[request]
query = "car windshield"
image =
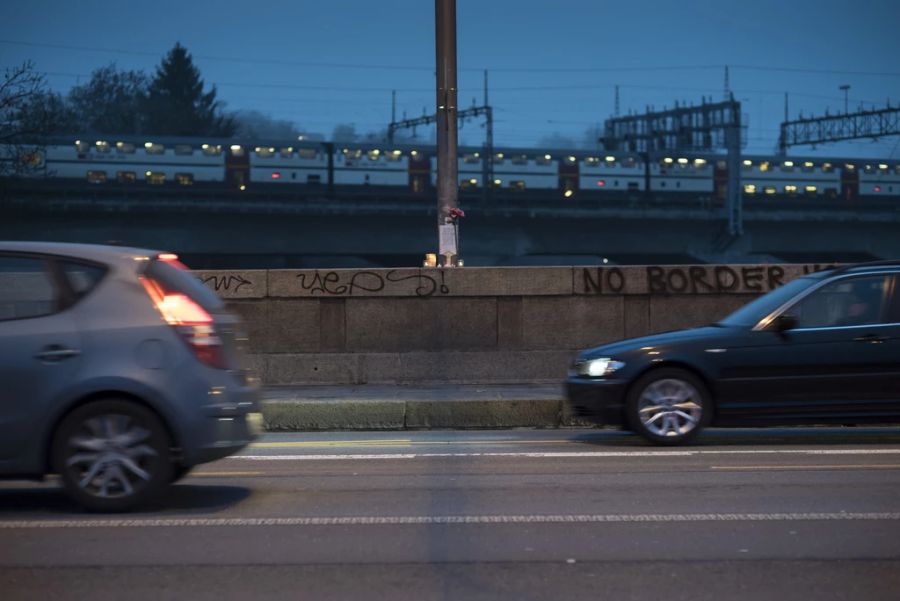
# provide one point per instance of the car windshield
(751, 313)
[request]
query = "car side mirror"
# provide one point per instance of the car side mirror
(785, 322)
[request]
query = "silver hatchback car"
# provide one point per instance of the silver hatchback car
(119, 371)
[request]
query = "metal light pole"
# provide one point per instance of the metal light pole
(846, 89)
(447, 205)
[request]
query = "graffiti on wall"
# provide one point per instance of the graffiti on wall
(335, 283)
(695, 279)
(226, 283)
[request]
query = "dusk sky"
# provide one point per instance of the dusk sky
(553, 65)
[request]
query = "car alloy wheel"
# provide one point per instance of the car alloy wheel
(668, 406)
(112, 455)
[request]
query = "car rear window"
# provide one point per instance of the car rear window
(178, 280)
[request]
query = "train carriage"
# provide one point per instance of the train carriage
(375, 168)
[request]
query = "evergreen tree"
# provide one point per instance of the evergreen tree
(177, 105)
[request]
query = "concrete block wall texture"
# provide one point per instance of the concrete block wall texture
(469, 325)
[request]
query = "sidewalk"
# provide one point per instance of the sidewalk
(378, 407)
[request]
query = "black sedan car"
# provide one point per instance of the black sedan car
(822, 349)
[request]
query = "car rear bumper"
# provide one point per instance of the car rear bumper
(230, 422)
(599, 400)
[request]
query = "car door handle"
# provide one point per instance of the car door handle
(56, 352)
(871, 339)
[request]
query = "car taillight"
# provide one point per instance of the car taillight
(172, 259)
(192, 322)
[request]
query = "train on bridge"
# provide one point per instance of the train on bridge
(327, 168)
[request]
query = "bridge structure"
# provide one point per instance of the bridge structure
(257, 230)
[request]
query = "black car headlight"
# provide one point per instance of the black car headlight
(597, 368)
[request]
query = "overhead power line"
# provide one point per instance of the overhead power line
(430, 69)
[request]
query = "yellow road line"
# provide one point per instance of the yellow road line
(745, 468)
(329, 443)
(397, 443)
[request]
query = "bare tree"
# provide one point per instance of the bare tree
(28, 112)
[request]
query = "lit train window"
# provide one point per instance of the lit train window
(849, 166)
(468, 183)
(498, 158)
(124, 148)
(809, 166)
(749, 189)
(96, 177)
(543, 159)
(591, 161)
(870, 169)
(764, 166)
(724, 165)
(102, 146)
(700, 164)
(520, 159)
(374, 155)
(517, 184)
(236, 150)
(211, 149)
(883, 167)
(155, 177)
(264, 153)
(747, 165)
(770, 190)
(352, 154)
(184, 179)
(184, 149)
(497, 183)
(610, 161)
(811, 190)
(787, 166)
(307, 153)
(827, 167)
(152, 148)
(81, 147)
(286, 152)
(790, 189)
(472, 158)
(394, 155)
(126, 177)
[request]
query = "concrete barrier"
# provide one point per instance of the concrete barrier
(496, 325)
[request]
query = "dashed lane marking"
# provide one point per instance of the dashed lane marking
(224, 474)
(859, 466)
(445, 520)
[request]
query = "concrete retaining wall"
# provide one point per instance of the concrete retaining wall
(514, 324)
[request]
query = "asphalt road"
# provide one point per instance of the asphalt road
(571, 514)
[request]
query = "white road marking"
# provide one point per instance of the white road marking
(573, 454)
(447, 520)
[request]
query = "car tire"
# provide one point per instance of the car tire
(180, 471)
(668, 406)
(112, 455)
